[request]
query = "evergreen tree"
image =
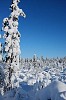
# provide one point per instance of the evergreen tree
(34, 60)
(12, 38)
(0, 51)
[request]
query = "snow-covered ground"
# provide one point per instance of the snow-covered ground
(38, 80)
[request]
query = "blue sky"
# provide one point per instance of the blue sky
(43, 31)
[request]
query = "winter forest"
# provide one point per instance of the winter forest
(27, 78)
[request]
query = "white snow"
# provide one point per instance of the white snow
(54, 91)
(37, 83)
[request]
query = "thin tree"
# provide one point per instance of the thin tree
(12, 38)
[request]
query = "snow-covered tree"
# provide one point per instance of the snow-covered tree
(0, 51)
(34, 60)
(12, 38)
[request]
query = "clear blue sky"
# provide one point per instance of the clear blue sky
(44, 29)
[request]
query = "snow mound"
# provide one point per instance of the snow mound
(15, 94)
(54, 91)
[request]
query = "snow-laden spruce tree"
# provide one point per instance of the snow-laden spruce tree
(12, 38)
(0, 51)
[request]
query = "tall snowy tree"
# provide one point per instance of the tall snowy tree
(0, 51)
(34, 60)
(12, 38)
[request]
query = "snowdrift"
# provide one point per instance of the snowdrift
(54, 91)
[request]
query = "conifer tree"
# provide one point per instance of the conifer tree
(12, 38)
(0, 51)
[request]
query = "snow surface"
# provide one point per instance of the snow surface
(40, 82)
(54, 91)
